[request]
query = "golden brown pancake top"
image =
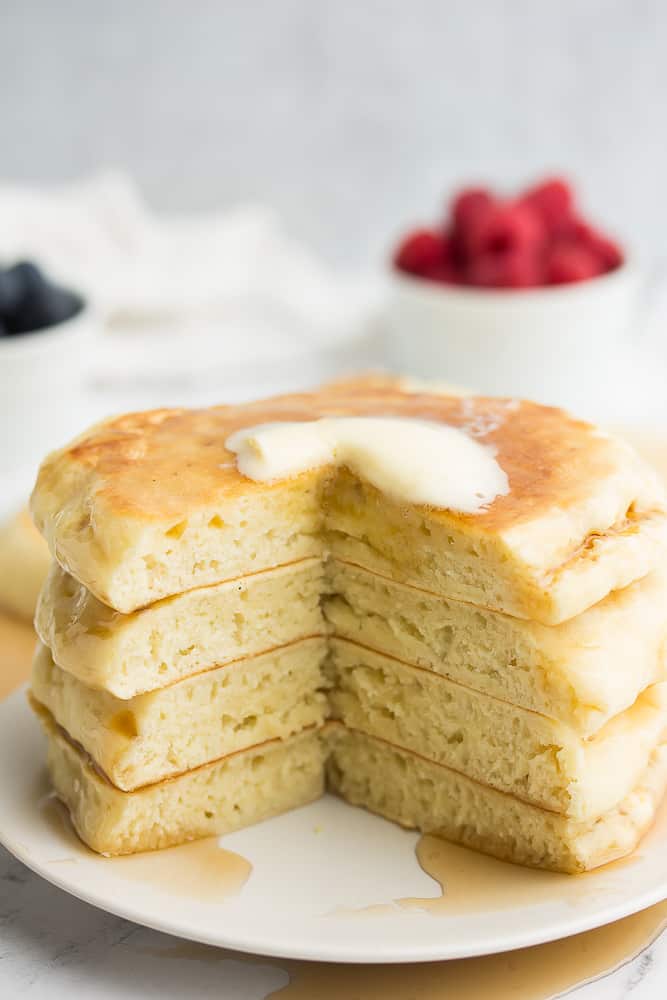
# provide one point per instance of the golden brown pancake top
(163, 463)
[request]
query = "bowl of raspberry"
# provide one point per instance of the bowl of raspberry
(516, 296)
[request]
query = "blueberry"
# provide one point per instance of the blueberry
(46, 306)
(15, 283)
(38, 304)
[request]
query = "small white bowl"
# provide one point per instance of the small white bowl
(553, 344)
(42, 398)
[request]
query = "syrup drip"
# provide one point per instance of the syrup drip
(538, 973)
(200, 870)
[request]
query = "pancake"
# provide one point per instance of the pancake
(223, 796)
(528, 755)
(179, 636)
(417, 793)
(148, 505)
(191, 722)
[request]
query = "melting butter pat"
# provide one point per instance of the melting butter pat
(411, 460)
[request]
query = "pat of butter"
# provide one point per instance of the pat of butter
(411, 460)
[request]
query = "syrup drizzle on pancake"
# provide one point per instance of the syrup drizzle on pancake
(201, 870)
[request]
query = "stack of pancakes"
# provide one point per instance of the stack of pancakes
(212, 646)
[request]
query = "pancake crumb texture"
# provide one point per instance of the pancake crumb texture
(220, 797)
(531, 756)
(582, 672)
(418, 794)
(153, 736)
(179, 636)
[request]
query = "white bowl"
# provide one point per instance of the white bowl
(556, 344)
(42, 395)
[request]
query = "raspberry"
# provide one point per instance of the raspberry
(608, 252)
(446, 270)
(605, 250)
(579, 231)
(552, 200)
(510, 269)
(505, 228)
(568, 262)
(421, 250)
(469, 205)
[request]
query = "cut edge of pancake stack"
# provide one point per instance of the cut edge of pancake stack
(212, 646)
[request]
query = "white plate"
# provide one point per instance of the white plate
(311, 863)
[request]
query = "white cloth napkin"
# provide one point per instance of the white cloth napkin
(183, 296)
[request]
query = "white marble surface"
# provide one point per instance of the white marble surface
(52, 945)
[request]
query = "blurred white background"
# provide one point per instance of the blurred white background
(349, 119)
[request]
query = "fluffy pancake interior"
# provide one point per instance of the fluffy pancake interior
(576, 672)
(210, 714)
(264, 780)
(526, 754)
(457, 558)
(178, 636)
(439, 678)
(220, 797)
(202, 718)
(418, 793)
